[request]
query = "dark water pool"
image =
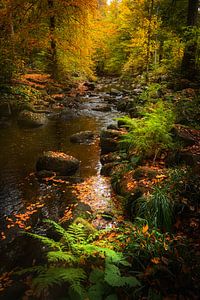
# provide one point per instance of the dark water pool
(19, 150)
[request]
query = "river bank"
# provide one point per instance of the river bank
(32, 196)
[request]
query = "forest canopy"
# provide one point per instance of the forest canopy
(85, 38)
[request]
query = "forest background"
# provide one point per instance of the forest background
(81, 39)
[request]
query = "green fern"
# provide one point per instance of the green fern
(60, 256)
(151, 133)
(68, 238)
(56, 276)
(98, 290)
(46, 241)
(34, 270)
(68, 259)
(77, 233)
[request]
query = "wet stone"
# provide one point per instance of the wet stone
(30, 119)
(59, 162)
(83, 137)
(107, 168)
(103, 108)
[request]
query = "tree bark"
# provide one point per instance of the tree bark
(189, 67)
(53, 47)
(148, 55)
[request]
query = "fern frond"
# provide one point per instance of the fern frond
(96, 291)
(56, 256)
(78, 288)
(45, 240)
(53, 276)
(35, 269)
(115, 257)
(77, 233)
(64, 234)
(96, 275)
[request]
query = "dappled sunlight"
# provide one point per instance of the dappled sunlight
(95, 191)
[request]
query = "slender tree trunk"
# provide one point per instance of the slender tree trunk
(10, 20)
(189, 67)
(53, 47)
(161, 51)
(148, 54)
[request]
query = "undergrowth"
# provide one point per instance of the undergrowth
(150, 134)
(89, 269)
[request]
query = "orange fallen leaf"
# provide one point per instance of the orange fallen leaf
(155, 260)
(145, 228)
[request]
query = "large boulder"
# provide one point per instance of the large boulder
(83, 137)
(30, 119)
(58, 162)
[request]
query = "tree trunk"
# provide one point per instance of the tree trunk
(148, 55)
(53, 47)
(10, 20)
(189, 67)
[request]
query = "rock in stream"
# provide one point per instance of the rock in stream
(59, 162)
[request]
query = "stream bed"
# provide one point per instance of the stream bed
(25, 200)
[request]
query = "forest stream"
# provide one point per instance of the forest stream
(26, 200)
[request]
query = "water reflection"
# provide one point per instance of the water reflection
(20, 148)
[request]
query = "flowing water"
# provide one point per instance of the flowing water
(25, 200)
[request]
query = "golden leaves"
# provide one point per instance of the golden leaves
(68, 213)
(94, 191)
(19, 220)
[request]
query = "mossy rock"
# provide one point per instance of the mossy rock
(145, 172)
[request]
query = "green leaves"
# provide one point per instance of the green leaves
(104, 282)
(114, 278)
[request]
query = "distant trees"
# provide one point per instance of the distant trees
(51, 35)
(151, 35)
(70, 37)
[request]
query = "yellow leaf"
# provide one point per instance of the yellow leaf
(161, 176)
(145, 228)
